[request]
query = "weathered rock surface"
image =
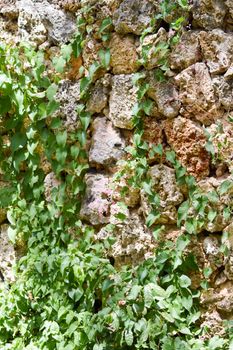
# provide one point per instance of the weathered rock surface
(217, 203)
(7, 255)
(50, 182)
(68, 95)
(154, 48)
(197, 94)
(124, 57)
(122, 99)
(99, 94)
(165, 95)
(134, 241)
(188, 140)
(170, 196)
(38, 18)
(133, 16)
(107, 145)
(208, 14)
(217, 50)
(97, 200)
(222, 140)
(186, 52)
(223, 87)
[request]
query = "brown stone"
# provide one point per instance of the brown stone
(217, 50)
(197, 95)
(208, 14)
(186, 52)
(124, 57)
(165, 96)
(188, 140)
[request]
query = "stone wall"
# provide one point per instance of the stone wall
(191, 107)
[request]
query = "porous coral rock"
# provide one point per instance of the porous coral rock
(38, 18)
(217, 50)
(68, 96)
(124, 57)
(107, 145)
(50, 182)
(217, 203)
(170, 196)
(197, 95)
(221, 136)
(99, 94)
(134, 242)
(188, 140)
(223, 87)
(154, 48)
(165, 95)
(133, 16)
(7, 255)
(186, 52)
(122, 100)
(97, 200)
(208, 14)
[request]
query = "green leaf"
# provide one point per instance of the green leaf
(105, 57)
(133, 294)
(5, 104)
(59, 64)
(129, 337)
(171, 157)
(151, 218)
(12, 234)
(51, 91)
(225, 186)
(61, 138)
(207, 271)
(216, 343)
(184, 281)
(105, 25)
(182, 212)
(18, 141)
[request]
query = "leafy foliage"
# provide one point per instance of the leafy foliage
(67, 294)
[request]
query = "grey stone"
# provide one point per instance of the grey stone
(186, 52)
(99, 95)
(170, 196)
(36, 18)
(68, 96)
(166, 97)
(133, 16)
(97, 200)
(208, 14)
(107, 145)
(122, 100)
(134, 242)
(7, 255)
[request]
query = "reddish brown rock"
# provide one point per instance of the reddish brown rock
(197, 95)
(188, 140)
(124, 57)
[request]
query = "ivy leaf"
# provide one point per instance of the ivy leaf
(225, 186)
(184, 281)
(18, 141)
(12, 234)
(216, 343)
(105, 57)
(51, 91)
(182, 212)
(5, 104)
(61, 138)
(129, 337)
(151, 218)
(59, 64)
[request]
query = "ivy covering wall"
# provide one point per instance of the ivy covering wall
(116, 187)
